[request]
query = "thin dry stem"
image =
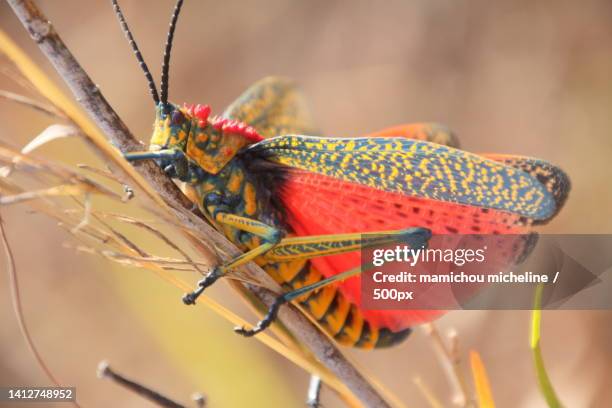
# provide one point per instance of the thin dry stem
(158, 234)
(450, 361)
(31, 103)
(17, 78)
(431, 398)
(105, 371)
(86, 214)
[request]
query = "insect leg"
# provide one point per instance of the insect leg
(270, 234)
(219, 271)
(316, 246)
(270, 316)
(307, 247)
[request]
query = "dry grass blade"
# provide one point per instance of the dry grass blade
(51, 133)
(141, 261)
(31, 103)
(43, 170)
(481, 381)
(159, 235)
(128, 192)
(450, 360)
(63, 190)
(99, 172)
(431, 398)
(17, 78)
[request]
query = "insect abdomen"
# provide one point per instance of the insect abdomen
(339, 317)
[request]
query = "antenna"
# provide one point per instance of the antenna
(166, 65)
(143, 64)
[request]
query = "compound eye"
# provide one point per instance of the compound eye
(177, 118)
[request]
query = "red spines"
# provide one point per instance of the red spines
(234, 126)
(189, 108)
(202, 113)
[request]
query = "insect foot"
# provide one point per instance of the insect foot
(266, 321)
(190, 298)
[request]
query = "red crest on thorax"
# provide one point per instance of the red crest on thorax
(226, 125)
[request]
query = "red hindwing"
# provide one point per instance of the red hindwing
(320, 205)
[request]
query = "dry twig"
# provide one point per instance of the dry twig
(105, 371)
(450, 361)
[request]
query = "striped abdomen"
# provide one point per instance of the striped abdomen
(339, 317)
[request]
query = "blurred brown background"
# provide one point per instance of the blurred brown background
(522, 77)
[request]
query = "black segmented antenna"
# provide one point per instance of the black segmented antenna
(143, 64)
(166, 65)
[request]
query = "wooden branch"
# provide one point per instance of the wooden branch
(91, 99)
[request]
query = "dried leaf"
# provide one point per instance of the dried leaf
(51, 133)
